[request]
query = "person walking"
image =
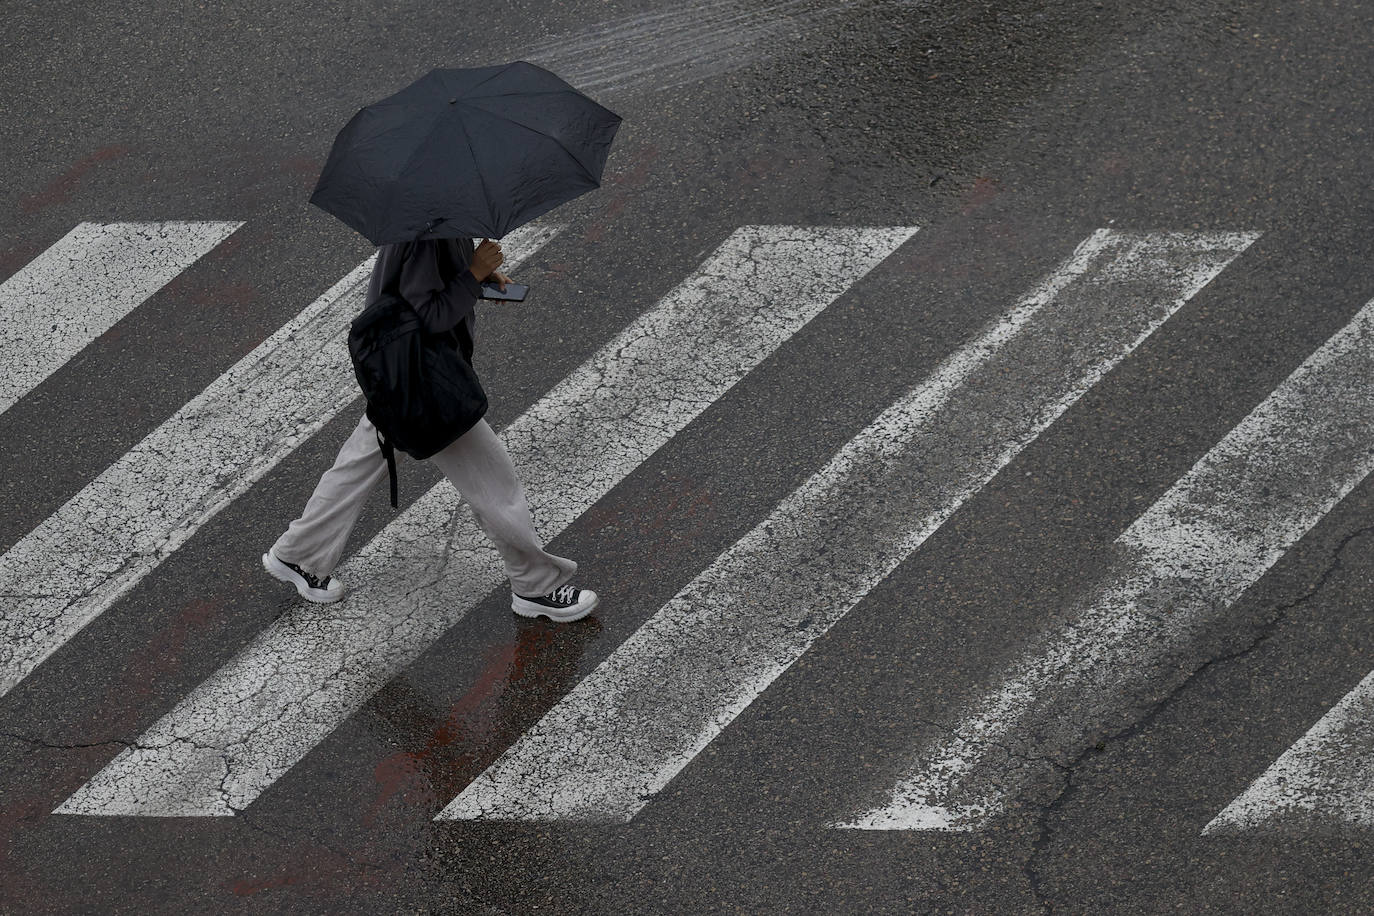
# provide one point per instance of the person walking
(458, 154)
(440, 279)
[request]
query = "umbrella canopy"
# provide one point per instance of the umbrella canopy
(465, 153)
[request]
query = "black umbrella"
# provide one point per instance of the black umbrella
(465, 153)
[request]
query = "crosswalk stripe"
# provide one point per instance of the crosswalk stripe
(1180, 566)
(1325, 778)
(625, 731)
(82, 286)
(257, 716)
(121, 526)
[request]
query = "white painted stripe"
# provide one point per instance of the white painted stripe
(82, 286)
(1325, 779)
(1181, 565)
(263, 711)
(102, 542)
(618, 738)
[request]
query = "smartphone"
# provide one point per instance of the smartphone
(515, 292)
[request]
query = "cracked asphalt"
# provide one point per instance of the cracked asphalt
(1008, 131)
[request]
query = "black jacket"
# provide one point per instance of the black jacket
(432, 275)
(412, 348)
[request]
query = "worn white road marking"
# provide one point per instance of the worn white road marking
(102, 542)
(618, 738)
(263, 711)
(684, 43)
(1325, 779)
(1181, 565)
(82, 286)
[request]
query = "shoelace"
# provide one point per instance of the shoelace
(564, 594)
(313, 582)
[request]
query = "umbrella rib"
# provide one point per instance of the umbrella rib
(590, 177)
(485, 81)
(486, 193)
(530, 94)
(396, 183)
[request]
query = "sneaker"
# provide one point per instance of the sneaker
(563, 605)
(321, 591)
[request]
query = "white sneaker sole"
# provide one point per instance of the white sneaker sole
(586, 602)
(279, 570)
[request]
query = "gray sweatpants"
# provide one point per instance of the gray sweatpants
(476, 463)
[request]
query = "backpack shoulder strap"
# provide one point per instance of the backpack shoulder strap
(390, 454)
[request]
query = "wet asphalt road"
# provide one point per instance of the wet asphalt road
(1008, 132)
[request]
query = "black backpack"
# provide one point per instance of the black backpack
(421, 393)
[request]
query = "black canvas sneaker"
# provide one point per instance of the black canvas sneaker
(321, 591)
(563, 605)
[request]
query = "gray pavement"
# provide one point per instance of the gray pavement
(1009, 133)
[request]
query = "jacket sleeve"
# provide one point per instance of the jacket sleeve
(441, 306)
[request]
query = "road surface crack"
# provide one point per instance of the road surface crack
(58, 746)
(1262, 632)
